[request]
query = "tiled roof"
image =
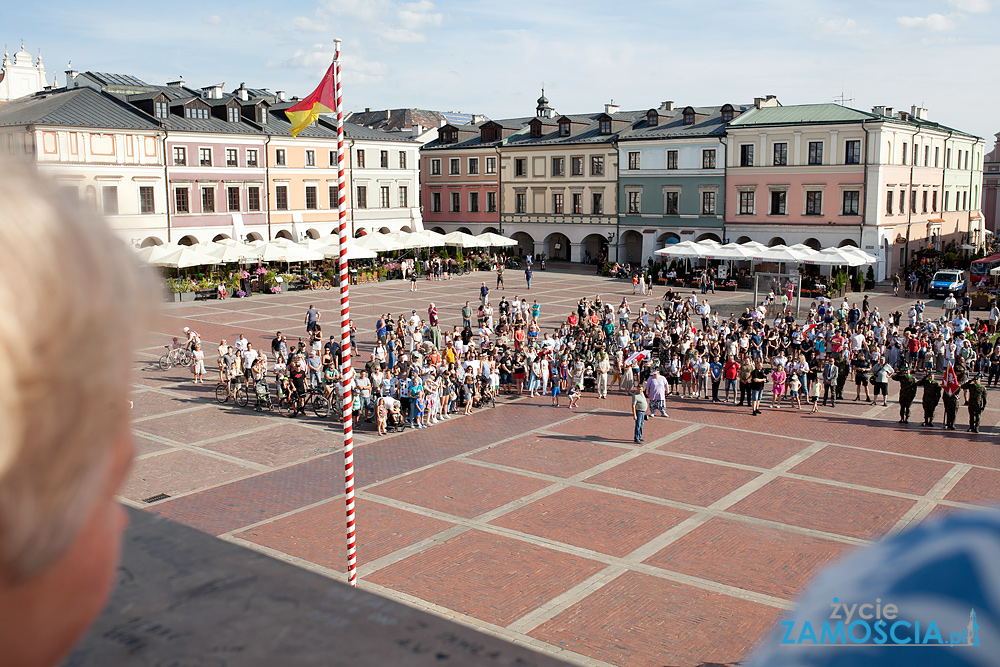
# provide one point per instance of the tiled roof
(588, 135)
(802, 114)
(473, 140)
(77, 107)
(670, 124)
(403, 119)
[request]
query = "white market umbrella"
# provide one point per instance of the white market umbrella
(684, 250)
(353, 252)
(184, 257)
(283, 250)
(492, 240)
(227, 252)
(376, 243)
(780, 253)
(835, 257)
(463, 240)
(731, 251)
(868, 258)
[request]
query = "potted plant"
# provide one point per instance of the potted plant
(870, 278)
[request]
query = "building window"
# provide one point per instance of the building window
(652, 118)
(913, 201)
(904, 152)
(520, 203)
(435, 167)
(597, 203)
(934, 201)
(205, 157)
(689, 118)
(233, 198)
(456, 202)
(564, 129)
(251, 158)
(161, 109)
(454, 166)
(779, 199)
(208, 200)
(558, 166)
(780, 154)
(109, 197)
(852, 154)
(927, 156)
(634, 202)
(234, 114)
(383, 196)
(520, 166)
(727, 115)
(577, 166)
(181, 203)
(633, 159)
(888, 202)
(402, 159)
(310, 158)
(746, 202)
(814, 203)
(708, 203)
(180, 156)
(404, 197)
(361, 160)
(708, 158)
(146, 201)
(253, 199)
(597, 165)
(852, 202)
(924, 202)
(491, 165)
(947, 158)
(281, 197)
(361, 200)
(746, 155)
(577, 203)
(915, 154)
(231, 158)
(605, 126)
(311, 202)
(557, 203)
(671, 201)
(902, 202)
(384, 159)
(671, 159)
(937, 156)
(435, 202)
(815, 152)
(193, 112)
(473, 202)
(279, 157)
(491, 202)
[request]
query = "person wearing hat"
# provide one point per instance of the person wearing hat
(907, 392)
(950, 407)
(931, 397)
(977, 402)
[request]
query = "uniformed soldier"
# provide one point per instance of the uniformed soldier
(907, 392)
(977, 402)
(950, 408)
(931, 398)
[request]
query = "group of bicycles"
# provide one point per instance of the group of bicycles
(284, 399)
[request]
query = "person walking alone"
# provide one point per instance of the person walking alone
(639, 408)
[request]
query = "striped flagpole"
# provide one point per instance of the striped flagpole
(347, 373)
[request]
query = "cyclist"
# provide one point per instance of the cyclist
(297, 372)
(331, 376)
(258, 373)
(236, 371)
(193, 338)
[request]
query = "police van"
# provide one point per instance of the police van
(948, 281)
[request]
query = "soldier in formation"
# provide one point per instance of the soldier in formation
(907, 392)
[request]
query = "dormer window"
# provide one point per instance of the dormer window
(605, 126)
(564, 129)
(161, 109)
(727, 113)
(688, 117)
(262, 115)
(449, 137)
(652, 118)
(196, 112)
(536, 130)
(233, 113)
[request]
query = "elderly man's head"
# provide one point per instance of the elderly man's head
(64, 271)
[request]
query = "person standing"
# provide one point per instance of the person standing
(466, 315)
(484, 295)
(312, 317)
(500, 268)
(603, 367)
(831, 376)
(639, 408)
(977, 402)
(657, 388)
(757, 380)
(731, 371)
(930, 399)
(198, 366)
(413, 277)
(527, 276)
(907, 392)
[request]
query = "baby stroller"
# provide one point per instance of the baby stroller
(589, 377)
(394, 422)
(263, 396)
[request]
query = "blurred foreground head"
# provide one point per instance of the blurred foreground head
(73, 304)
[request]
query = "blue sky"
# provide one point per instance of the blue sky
(492, 57)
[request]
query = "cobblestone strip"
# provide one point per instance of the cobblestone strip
(229, 458)
(556, 605)
(933, 497)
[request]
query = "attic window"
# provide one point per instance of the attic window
(564, 129)
(449, 137)
(160, 109)
(262, 115)
(689, 117)
(536, 130)
(194, 112)
(727, 113)
(605, 126)
(652, 119)
(234, 114)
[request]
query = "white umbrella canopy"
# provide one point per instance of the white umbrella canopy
(376, 243)
(227, 252)
(492, 240)
(732, 251)
(835, 257)
(858, 252)
(685, 249)
(463, 240)
(780, 253)
(283, 250)
(184, 257)
(353, 252)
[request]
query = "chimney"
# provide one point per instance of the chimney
(757, 101)
(612, 108)
(368, 109)
(70, 76)
(919, 113)
(666, 106)
(416, 130)
(388, 115)
(904, 116)
(242, 92)
(179, 83)
(281, 95)
(442, 122)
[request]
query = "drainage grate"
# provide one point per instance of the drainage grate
(156, 498)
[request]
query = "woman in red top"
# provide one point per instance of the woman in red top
(519, 337)
(572, 319)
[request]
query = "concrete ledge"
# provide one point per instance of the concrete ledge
(188, 599)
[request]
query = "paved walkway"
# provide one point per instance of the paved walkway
(548, 526)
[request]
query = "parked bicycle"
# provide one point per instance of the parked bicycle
(295, 403)
(224, 391)
(180, 356)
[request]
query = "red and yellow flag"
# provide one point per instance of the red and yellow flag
(321, 100)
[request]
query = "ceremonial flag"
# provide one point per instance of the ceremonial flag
(809, 328)
(321, 100)
(637, 357)
(951, 385)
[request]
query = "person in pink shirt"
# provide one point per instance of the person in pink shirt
(778, 378)
(656, 390)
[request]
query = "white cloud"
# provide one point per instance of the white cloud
(214, 19)
(931, 22)
(841, 26)
(971, 6)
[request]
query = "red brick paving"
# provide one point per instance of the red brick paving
(640, 620)
(594, 520)
(318, 534)
(459, 488)
(492, 578)
(277, 446)
(757, 558)
(550, 454)
(735, 447)
(823, 507)
(881, 471)
(672, 478)
(978, 486)
(615, 427)
(178, 472)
